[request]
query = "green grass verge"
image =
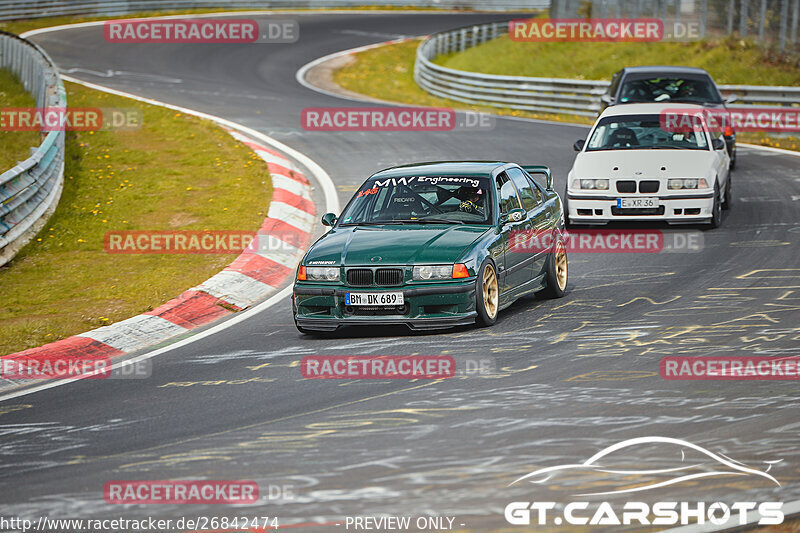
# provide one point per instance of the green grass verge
(15, 145)
(729, 61)
(175, 172)
(387, 72)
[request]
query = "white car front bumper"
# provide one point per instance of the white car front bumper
(686, 208)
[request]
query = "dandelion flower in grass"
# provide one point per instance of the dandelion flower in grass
(81, 240)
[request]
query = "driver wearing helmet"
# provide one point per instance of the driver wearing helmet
(471, 200)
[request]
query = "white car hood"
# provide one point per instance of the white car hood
(678, 164)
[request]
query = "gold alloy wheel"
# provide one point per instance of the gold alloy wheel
(490, 292)
(561, 266)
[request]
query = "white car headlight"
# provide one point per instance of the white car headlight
(426, 272)
(594, 184)
(686, 183)
(322, 273)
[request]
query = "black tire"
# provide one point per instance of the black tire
(487, 317)
(555, 282)
(567, 221)
(726, 203)
(716, 211)
(733, 158)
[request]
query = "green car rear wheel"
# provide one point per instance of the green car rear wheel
(487, 295)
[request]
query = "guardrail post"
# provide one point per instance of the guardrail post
(703, 18)
(784, 24)
(743, 19)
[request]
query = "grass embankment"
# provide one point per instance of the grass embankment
(15, 145)
(387, 72)
(175, 172)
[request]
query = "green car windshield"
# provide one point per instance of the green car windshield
(421, 200)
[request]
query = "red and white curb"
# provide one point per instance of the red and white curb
(257, 273)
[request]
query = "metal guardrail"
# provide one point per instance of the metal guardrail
(21, 9)
(548, 95)
(30, 190)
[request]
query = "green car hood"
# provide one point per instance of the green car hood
(394, 245)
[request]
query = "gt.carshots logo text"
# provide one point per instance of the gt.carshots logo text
(682, 462)
(641, 513)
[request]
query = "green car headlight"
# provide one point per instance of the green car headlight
(594, 184)
(426, 272)
(322, 273)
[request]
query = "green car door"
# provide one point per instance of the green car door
(517, 269)
(540, 218)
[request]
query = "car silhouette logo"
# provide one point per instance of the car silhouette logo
(602, 461)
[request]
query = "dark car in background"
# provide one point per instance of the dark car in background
(667, 84)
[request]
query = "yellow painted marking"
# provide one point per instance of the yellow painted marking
(242, 381)
(751, 274)
(259, 367)
(649, 300)
(612, 375)
(5, 409)
(234, 431)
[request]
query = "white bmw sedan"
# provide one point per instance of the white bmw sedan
(650, 162)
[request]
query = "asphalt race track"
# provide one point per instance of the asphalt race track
(571, 377)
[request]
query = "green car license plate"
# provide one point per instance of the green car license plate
(373, 298)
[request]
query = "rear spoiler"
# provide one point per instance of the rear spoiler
(540, 169)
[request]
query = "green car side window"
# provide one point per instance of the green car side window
(527, 195)
(507, 193)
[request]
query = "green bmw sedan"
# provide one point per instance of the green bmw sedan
(435, 245)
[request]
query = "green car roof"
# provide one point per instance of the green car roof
(443, 168)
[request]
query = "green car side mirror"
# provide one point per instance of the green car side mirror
(329, 219)
(515, 215)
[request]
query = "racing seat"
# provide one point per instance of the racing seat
(622, 137)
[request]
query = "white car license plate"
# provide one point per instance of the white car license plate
(373, 298)
(627, 203)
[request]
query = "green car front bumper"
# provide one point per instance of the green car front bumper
(321, 307)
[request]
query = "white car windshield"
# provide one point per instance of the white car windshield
(645, 132)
